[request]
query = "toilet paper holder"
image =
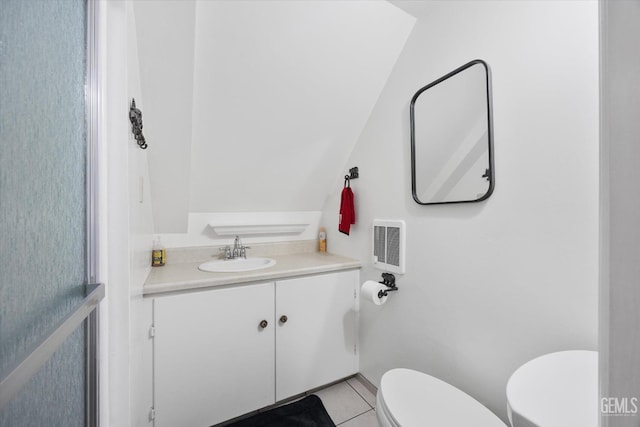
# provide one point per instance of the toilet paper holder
(389, 280)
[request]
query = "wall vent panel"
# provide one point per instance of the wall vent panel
(389, 245)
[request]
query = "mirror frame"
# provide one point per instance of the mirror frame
(489, 133)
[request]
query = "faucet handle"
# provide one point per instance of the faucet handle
(227, 252)
(243, 251)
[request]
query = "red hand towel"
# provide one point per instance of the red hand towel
(347, 211)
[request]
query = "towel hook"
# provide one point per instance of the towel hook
(353, 174)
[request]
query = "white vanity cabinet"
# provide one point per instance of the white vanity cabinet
(317, 343)
(213, 359)
(224, 352)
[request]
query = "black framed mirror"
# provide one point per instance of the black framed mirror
(452, 137)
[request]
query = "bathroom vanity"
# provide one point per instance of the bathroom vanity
(225, 344)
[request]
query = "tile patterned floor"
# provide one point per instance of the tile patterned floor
(349, 404)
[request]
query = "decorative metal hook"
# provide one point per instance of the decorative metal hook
(135, 116)
(353, 174)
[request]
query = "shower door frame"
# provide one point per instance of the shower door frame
(92, 105)
(88, 309)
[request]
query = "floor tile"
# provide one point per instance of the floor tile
(363, 391)
(368, 419)
(342, 402)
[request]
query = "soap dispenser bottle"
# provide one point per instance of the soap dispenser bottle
(158, 253)
(322, 238)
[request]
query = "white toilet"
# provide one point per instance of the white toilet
(408, 398)
(557, 389)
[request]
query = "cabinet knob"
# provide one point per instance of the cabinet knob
(264, 324)
(283, 318)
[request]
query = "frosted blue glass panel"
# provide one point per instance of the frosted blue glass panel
(55, 395)
(42, 200)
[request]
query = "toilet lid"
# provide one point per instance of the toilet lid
(557, 389)
(413, 398)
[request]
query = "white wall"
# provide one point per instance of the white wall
(165, 45)
(140, 245)
(488, 285)
(114, 217)
(620, 204)
(253, 106)
(126, 225)
(201, 233)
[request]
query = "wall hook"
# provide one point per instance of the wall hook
(135, 116)
(353, 174)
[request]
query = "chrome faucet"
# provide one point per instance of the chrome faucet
(237, 247)
(239, 250)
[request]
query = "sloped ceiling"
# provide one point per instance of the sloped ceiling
(256, 105)
(420, 8)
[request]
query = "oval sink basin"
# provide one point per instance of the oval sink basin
(237, 265)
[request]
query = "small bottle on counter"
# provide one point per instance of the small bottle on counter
(158, 253)
(322, 237)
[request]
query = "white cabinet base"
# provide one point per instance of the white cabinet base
(213, 361)
(317, 344)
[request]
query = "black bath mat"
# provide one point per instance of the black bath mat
(307, 412)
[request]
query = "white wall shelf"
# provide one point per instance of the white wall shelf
(253, 229)
(258, 224)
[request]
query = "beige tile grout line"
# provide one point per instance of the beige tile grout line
(361, 396)
(356, 416)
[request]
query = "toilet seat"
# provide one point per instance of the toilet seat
(408, 398)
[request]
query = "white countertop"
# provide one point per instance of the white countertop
(186, 276)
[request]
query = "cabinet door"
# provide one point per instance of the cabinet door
(317, 343)
(212, 359)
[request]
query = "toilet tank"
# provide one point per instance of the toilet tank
(557, 389)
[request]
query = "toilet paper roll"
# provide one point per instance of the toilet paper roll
(369, 292)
